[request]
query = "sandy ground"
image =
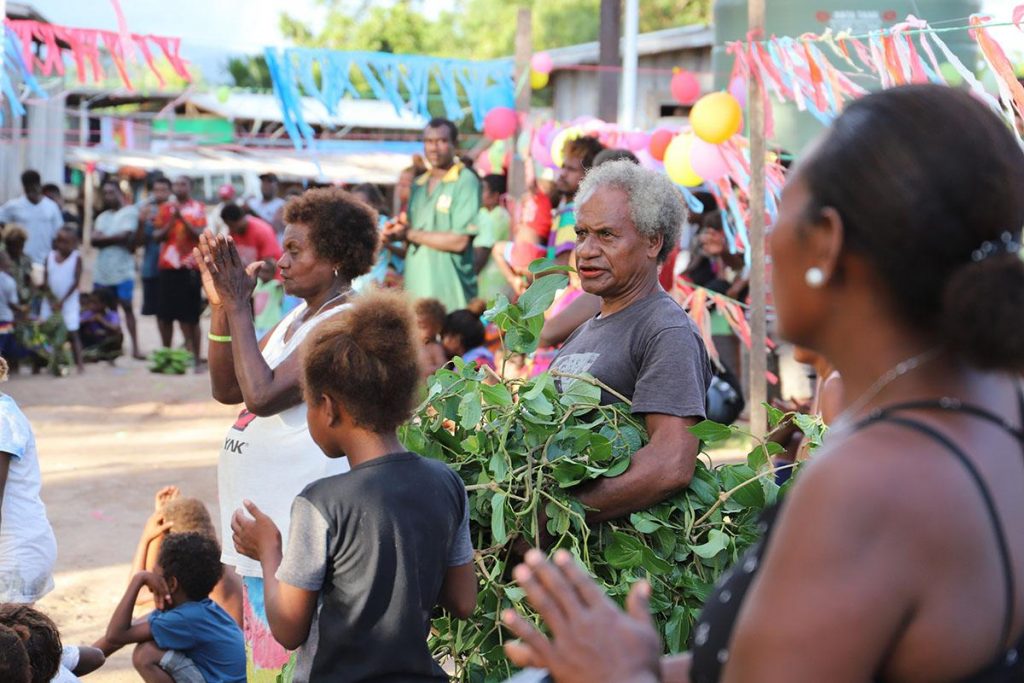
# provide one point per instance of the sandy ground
(107, 441)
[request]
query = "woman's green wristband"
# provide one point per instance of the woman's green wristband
(224, 339)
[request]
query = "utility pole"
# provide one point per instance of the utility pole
(627, 118)
(758, 284)
(524, 51)
(608, 77)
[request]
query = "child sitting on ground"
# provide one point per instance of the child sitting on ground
(173, 513)
(14, 664)
(49, 662)
(63, 274)
(464, 335)
(267, 299)
(188, 637)
(361, 614)
(100, 327)
(430, 315)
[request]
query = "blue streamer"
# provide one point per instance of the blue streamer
(15, 68)
(402, 80)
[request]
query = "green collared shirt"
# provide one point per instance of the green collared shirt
(451, 207)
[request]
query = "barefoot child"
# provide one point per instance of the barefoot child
(63, 273)
(361, 614)
(188, 637)
(173, 513)
(430, 315)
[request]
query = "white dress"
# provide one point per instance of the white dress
(60, 278)
(270, 460)
(28, 549)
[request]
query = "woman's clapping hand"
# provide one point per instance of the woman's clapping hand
(225, 278)
(592, 640)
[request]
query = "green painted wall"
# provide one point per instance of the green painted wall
(208, 131)
(794, 129)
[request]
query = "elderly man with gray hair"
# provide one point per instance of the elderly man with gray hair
(642, 344)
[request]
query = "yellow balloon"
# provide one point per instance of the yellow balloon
(716, 117)
(538, 80)
(558, 144)
(677, 161)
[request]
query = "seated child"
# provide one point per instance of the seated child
(430, 315)
(360, 614)
(464, 335)
(10, 308)
(188, 637)
(100, 327)
(267, 299)
(49, 662)
(14, 665)
(175, 514)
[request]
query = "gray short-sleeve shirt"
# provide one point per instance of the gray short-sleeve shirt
(650, 352)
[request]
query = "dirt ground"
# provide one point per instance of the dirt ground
(107, 441)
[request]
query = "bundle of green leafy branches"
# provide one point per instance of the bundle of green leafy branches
(170, 361)
(522, 445)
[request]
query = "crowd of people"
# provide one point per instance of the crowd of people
(336, 544)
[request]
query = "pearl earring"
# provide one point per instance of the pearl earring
(814, 277)
(335, 273)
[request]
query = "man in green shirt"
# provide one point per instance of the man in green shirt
(438, 228)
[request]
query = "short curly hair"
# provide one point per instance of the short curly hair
(189, 514)
(366, 358)
(585, 148)
(14, 662)
(432, 310)
(343, 229)
(655, 204)
(41, 638)
(194, 560)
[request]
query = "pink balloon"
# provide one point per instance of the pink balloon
(685, 87)
(540, 148)
(637, 141)
(500, 123)
(542, 63)
(738, 89)
(708, 160)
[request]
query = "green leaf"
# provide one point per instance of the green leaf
(758, 457)
(545, 265)
(536, 388)
(644, 523)
(677, 629)
(498, 518)
(470, 410)
(618, 467)
(654, 564)
(514, 593)
(541, 294)
(540, 405)
(501, 305)
(496, 395)
(751, 494)
(600, 448)
(775, 416)
(704, 486)
(580, 392)
(558, 519)
(624, 552)
(498, 466)
(710, 432)
(716, 543)
(568, 473)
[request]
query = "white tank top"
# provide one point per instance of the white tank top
(270, 460)
(60, 275)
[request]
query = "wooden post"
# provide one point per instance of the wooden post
(88, 209)
(524, 51)
(608, 79)
(758, 284)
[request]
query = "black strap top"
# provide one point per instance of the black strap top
(711, 636)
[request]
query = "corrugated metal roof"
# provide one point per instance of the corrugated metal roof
(351, 113)
(654, 42)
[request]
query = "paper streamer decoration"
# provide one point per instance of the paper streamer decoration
(88, 49)
(403, 80)
(15, 71)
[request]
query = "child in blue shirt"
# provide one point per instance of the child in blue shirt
(189, 637)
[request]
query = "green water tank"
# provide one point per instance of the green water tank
(794, 129)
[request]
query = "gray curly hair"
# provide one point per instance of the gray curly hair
(655, 204)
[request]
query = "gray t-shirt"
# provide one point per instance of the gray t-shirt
(376, 542)
(650, 352)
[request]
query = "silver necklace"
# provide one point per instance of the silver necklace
(333, 298)
(897, 371)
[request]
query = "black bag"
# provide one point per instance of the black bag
(724, 401)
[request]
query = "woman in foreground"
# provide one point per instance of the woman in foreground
(895, 257)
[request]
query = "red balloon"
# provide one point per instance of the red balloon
(685, 87)
(659, 143)
(500, 123)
